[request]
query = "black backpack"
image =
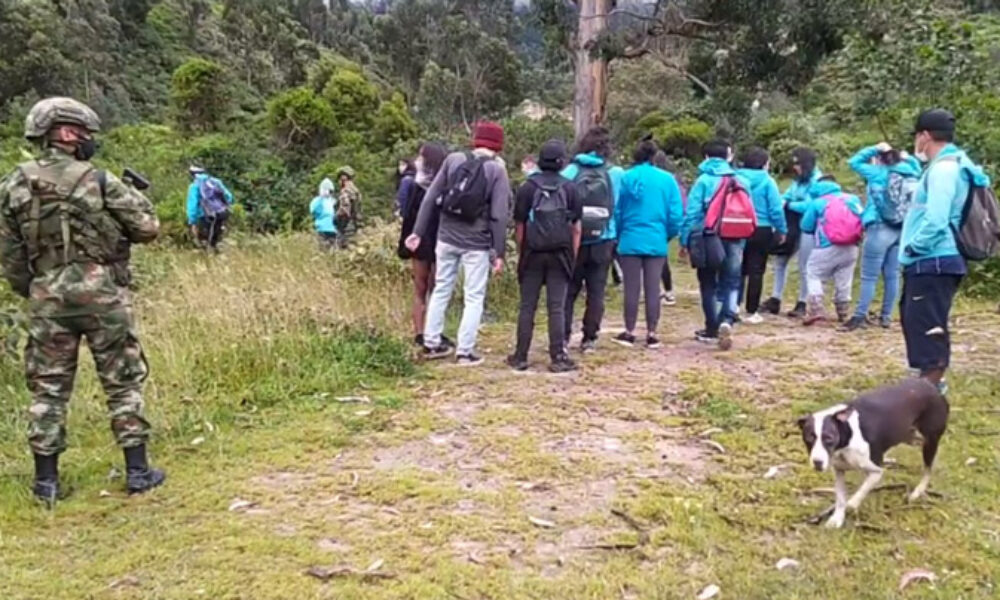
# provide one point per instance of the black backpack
(468, 195)
(978, 233)
(593, 191)
(548, 227)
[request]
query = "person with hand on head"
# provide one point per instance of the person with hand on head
(469, 201)
(547, 216)
(891, 176)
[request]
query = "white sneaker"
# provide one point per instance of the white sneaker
(725, 336)
(754, 319)
(669, 299)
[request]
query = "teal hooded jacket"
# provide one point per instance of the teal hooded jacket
(941, 196)
(816, 209)
(649, 211)
(711, 170)
(615, 174)
(766, 199)
(877, 179)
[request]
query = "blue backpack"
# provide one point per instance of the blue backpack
(212, 198)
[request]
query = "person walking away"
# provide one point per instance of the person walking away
(891, 177)
(598, 186)
(771, 227)
(797, 242)
(208, 205)
(61, 223)
(348, 219)
(835, 219)
(719, 198)
(428, 163)
(547, 216)
(469, 198)
(933, 261)
(662, 161)
(322, 208)
(405, 172)
(648, 215)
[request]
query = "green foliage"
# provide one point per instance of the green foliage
(683, 137)
(392, 123)
(199, 95)
(353, 99)
(300, 119)
(525, 136)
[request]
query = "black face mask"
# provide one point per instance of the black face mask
(85, 150)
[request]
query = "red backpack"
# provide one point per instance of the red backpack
(730, 211)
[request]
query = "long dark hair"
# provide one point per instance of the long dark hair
(434, 155)
(805, 158)
(596, 140)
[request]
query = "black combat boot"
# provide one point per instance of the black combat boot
(46, 486)
(139, 478)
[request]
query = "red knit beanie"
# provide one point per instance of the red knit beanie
(489, 135)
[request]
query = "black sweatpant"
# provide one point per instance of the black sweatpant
(755, 265)
(548, 269)
(923, 311)
(667, 277)
(591, 269)
(211, 230)
(642, 272)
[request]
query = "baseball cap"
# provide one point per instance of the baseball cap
(936, 119)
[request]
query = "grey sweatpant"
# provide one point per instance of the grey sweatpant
(836, 263)
(642, 272)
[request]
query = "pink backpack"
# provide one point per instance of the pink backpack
(840, 225)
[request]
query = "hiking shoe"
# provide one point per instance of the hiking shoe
(703, 336)
(885, 323)
(668, 298)
(468, 360)
(625, 339)
(588, 346)
(754, 319)
(46, 491)
(139, 477)
(799, 311)
(518, 364)
(653, 342)
(843, 309)
(771, 305)
(418, 339)
(446, 341)
(855, 323)
(438, 352)
(46, 486)
(725, 336)
(562, 364)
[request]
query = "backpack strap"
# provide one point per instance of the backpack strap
(31, 173)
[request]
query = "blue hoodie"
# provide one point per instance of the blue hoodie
(649, 212)
(766, 199)
(816, 209)
(877, 178)
(796, 198)
(323, 208)
(938, 206)
(711, 170)
(194, 211)
(614, 173)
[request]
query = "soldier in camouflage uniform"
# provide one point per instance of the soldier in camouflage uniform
(348, 205)
(62, 226)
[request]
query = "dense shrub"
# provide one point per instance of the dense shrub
(301, 120)
(353, 99)
(199, 95)
(392, 123)
(683, 137)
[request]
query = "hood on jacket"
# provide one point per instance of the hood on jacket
(905, 168)
(715, 166)
(824, 188)
(979, 177)
(755, 177)
(326, 187)
(589, 160)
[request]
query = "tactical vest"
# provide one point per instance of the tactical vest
(65, 225)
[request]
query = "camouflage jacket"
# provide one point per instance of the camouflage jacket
(61, 235)
(349, 205)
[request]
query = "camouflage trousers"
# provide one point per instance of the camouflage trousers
(50, 366)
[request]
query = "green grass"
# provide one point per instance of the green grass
(438, 474)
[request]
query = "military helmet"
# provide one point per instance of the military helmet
(48, 113)
(346, 170)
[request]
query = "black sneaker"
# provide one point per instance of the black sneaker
(705, 337)
(562, 364)
(725, 336)
(588, 346)
(771, 305)
(885, 323)
(855, 323)
(799, 311)
(518, 364)
(468, 360)
(446, 341)
(438, 352)
(653, 342)
(625, 339)
(140, 482)
(418, 339)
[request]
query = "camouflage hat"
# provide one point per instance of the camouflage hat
(48, 113)
(345, 170)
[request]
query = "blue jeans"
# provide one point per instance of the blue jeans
(879, 256)
(476, 267)
(720, 288)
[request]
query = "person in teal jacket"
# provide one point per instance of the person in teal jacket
(323, 208)
(797, 242)
(771, 227)
(882, 166)
(725, 280)
(933, 267)
(595, 257)
(648, 215)
(829, 260)
(207, 229)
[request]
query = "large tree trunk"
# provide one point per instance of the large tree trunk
(590, 90)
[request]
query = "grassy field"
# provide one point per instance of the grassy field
(642, 476)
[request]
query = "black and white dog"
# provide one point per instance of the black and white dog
(856, 436)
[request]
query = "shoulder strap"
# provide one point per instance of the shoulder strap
(35, 213)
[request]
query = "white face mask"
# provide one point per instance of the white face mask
(918, 153)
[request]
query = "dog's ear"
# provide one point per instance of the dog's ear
(843, 415)
(802, 422)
